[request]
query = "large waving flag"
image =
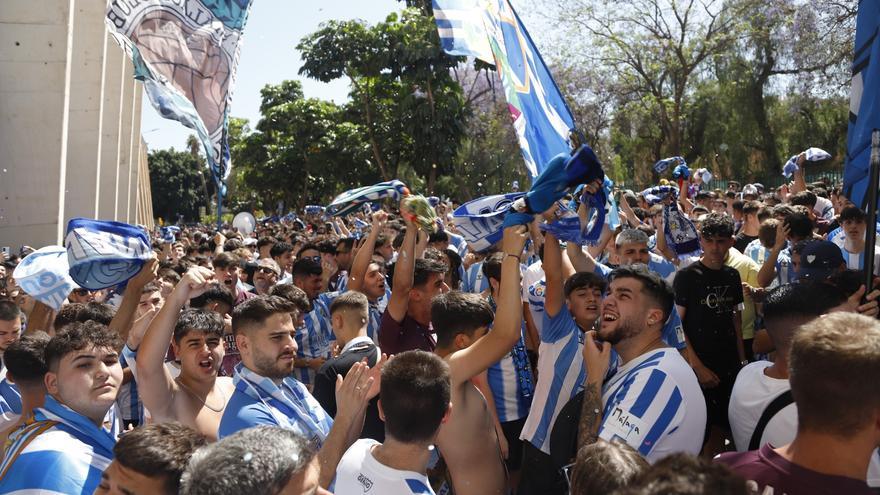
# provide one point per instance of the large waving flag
(864, 105)
(186, 53)
(461, 29)
(541, 118)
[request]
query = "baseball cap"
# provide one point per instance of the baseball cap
(819, 259)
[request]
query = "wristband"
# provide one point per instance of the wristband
(513, 256)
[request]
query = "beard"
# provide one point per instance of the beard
(271, 367)
(624, 329)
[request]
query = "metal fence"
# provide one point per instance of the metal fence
(772, 182)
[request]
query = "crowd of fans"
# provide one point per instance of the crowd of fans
(363, 355)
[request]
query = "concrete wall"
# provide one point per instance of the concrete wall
(70, 115)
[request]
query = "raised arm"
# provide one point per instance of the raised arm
(403, 274)
(124, 317)
(507, 328)
(768, 269)
(156, 386)
(361, 261)
(580, 258)
(554, 296)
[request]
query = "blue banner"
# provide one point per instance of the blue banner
(541, 118)
(864, 105)
(186, 52)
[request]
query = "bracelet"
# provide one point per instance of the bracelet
(513, 256)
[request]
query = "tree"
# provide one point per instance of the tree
(303, 151)
(402, 92)
(177, 189)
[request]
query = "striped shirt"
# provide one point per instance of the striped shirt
(315, 337)
(10, 401)
(856, 261)
(654, 404)
(128, 401)
(535, 298)
(474, 281)
(785, 273)
(457, 243)
(756, 251)
(511, 381)
(560, 373)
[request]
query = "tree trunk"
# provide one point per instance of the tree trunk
(766, 137)
(374, 145)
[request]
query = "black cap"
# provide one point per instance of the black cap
(819, 260)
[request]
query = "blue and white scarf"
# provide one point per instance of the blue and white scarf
(481, 221)
(292, 406)
(45, 276)
(664, 164)
(103, 254)
(813, 155)
(77, 450)
(350, 201)
(681, 234)
(563, 172)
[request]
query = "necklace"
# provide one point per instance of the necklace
(205, 403)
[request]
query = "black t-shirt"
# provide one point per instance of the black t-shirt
(742, 240)
(710, 298)
(325, 386)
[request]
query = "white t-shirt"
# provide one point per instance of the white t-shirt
(359, 473)
(752, 392)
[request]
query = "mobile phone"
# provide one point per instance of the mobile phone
(5, 250)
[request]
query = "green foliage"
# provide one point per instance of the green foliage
(177, 187)
(403, 96)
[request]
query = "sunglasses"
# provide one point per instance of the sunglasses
(81, 292)
(267, 271)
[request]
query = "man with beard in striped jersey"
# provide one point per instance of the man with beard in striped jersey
(571, 307)
(651, 400)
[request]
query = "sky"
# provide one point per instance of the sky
(269, 56)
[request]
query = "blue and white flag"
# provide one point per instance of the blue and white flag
(461, 29)
(103, 254)
(864, 103)
(812, 155)
(186, 52)
(542, 120)
(481, 221)
(350, 201)
(44, 275)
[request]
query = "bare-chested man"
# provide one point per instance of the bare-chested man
(468, 441)
(197, 397)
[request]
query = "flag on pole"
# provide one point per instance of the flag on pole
(185, 52)
(541, 118)
(864, 103)
(461, 29)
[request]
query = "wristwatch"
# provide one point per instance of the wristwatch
(744, 362)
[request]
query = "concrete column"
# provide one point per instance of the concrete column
(83, 144)
(135, 155)
(33, 66)
(114, 68)
(127, 103)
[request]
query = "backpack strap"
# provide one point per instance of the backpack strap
(778, 404)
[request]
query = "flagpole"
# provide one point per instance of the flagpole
(871, 232)
(219, 205)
